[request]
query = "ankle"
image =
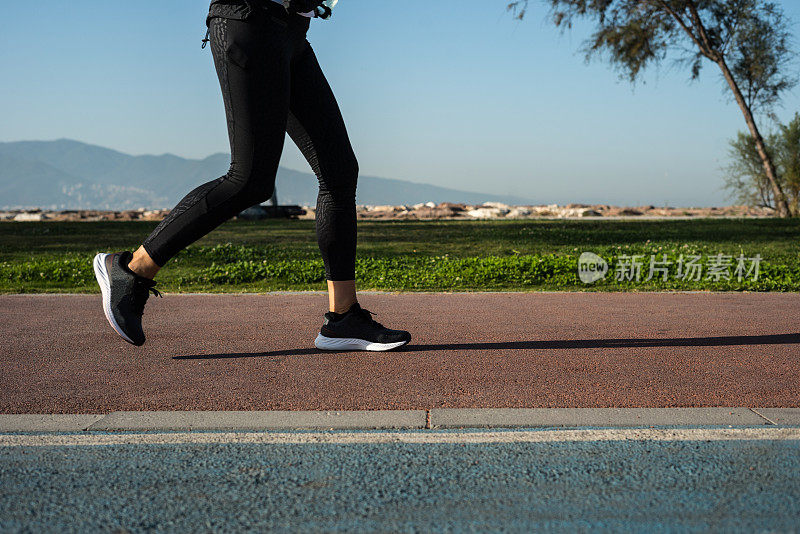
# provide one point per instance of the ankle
(140, 270)
(341, 309)
(341, 295)
(142, 265)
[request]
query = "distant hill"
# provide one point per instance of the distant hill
(67, 174)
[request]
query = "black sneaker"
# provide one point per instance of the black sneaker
(124, 294)
(357, 330)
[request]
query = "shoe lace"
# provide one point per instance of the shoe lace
(141, 293)
(367, 316)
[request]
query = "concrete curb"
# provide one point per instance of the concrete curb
(47, 422)
(593, 417)
(780, 416)
(402, 419)
(272, 420)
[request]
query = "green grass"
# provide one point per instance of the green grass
(407, 255)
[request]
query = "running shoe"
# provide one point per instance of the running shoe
(357, 330)
(124, 294)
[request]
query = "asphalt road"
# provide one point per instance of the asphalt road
(643, 485)
(251, 352)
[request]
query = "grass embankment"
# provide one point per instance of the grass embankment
(412, 255)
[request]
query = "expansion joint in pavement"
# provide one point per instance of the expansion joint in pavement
(767, 419)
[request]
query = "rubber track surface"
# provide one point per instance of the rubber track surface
(255, 352)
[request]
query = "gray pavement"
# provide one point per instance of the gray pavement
(621, 480)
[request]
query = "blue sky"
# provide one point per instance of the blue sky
(453, 93)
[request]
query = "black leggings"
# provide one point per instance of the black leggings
(271, 84)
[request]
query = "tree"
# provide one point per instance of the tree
(748, 40)
(746, 178)
(787, 153)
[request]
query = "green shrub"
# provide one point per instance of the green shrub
(74, 271)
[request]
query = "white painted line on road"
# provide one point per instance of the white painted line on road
(425, 437)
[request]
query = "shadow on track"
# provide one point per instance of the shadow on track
(718, 341)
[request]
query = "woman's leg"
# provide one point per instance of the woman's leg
(316, 126)
(253, 61)
(341, 295)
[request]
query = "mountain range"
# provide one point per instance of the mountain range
(66, 174)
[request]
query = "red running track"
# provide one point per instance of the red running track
(255, 352)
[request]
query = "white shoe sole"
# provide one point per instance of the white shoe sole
(337, 343)
(101, 273)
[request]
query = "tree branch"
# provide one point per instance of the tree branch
(698, 22)
(732, 32)
(686, 28)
